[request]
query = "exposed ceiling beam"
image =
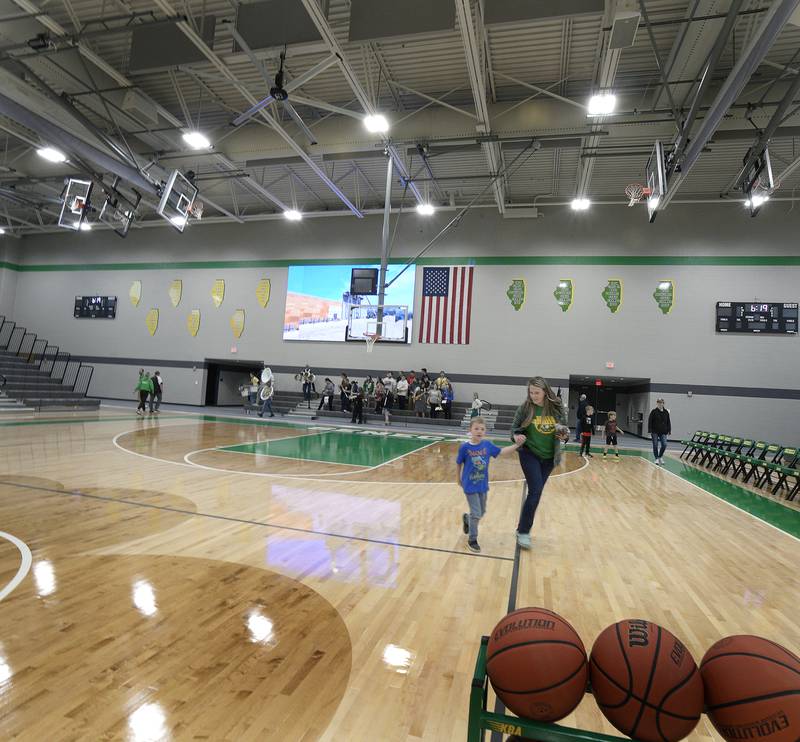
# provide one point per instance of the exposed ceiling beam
(477, 78)
(772, 23)
(329, 39)
(223, 69)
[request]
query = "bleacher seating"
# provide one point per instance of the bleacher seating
(762, 465)
(39, 375)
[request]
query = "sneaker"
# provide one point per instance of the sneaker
(589, 456)
(473, 546)
(616, 456)
(465, 522)
(524, 540)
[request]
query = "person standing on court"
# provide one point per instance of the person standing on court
(539, 428)
(158, 392)
(402, 391)
(579, 417)
(144, 387)
(327, 395)
(659, 426)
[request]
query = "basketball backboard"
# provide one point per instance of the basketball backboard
(656, 180)
(119, 211)
(75, 206)
(363, 321)
(177, 198)
(757, 181)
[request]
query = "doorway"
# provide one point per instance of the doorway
(628, 397)
(224, 379)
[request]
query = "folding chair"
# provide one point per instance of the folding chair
(689, 443)
(725, 458)
(785, 467)
(754, 461)
(701, 448)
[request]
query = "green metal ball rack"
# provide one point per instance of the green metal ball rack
(481, 719)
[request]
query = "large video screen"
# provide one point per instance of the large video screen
(318, 301)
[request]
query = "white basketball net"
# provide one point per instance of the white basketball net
(370, 340)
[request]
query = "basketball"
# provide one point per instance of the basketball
(646, 681)
(537, 664)
(752, 688)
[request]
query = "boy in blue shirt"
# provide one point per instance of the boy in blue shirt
(473, 476)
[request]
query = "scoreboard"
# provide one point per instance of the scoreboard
(757, 317)
(95, 307)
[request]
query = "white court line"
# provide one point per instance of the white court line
(25, 563)
(315, 478)
(721, 499)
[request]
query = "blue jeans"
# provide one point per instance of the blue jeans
(266, 406)
(536, 472)
(659, 444)
(477, 509)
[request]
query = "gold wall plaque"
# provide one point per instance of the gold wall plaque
(175, 292)
(135, 293)
(237, 322)
(218, 292)
(193, 322)
(262, 292)
(152, 321)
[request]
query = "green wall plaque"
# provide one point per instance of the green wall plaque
(612, 294)
(516, 293)
(564, 294)
(665, 295)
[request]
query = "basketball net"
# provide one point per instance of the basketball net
(635, 193)
(370, 340)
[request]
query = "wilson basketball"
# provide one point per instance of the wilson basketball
(752, 689)
(646, 681)
(537, 664)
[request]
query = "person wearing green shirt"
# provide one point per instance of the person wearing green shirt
(539, 429)
(144, 387)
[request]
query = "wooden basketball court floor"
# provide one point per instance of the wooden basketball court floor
(196, 577)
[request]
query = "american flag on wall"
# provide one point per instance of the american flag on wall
(446, 305)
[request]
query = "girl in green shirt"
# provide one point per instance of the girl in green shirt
(539, 429)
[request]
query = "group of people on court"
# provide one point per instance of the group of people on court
(659, 427)
(400, 390)
(149, 389)
(538, 433)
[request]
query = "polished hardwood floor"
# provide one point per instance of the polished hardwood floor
(193, 579)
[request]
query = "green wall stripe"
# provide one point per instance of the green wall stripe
(666, 260)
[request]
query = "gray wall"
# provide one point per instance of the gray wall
(680, 349)
(8, 278)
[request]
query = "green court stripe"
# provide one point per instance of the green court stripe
(784, 518)
(665, 260)
(334, 447)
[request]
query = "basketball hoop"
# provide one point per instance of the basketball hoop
(635, 193)
(196, 209)
(370, 339)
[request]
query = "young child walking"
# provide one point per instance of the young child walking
(472, 466)
(586, 432)
(611, 434)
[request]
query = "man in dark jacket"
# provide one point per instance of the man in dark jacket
(582, 402)
(659, 426)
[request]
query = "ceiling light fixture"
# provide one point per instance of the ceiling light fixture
(196, 140)
(179, 221)
(602, 104)
(756, 200)
(2, 231)
(51, 155)
(293, 215)
(580, 204)
(376, 123)
(85, 227)
(425, 209)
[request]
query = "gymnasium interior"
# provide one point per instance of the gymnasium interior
(258, 199)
